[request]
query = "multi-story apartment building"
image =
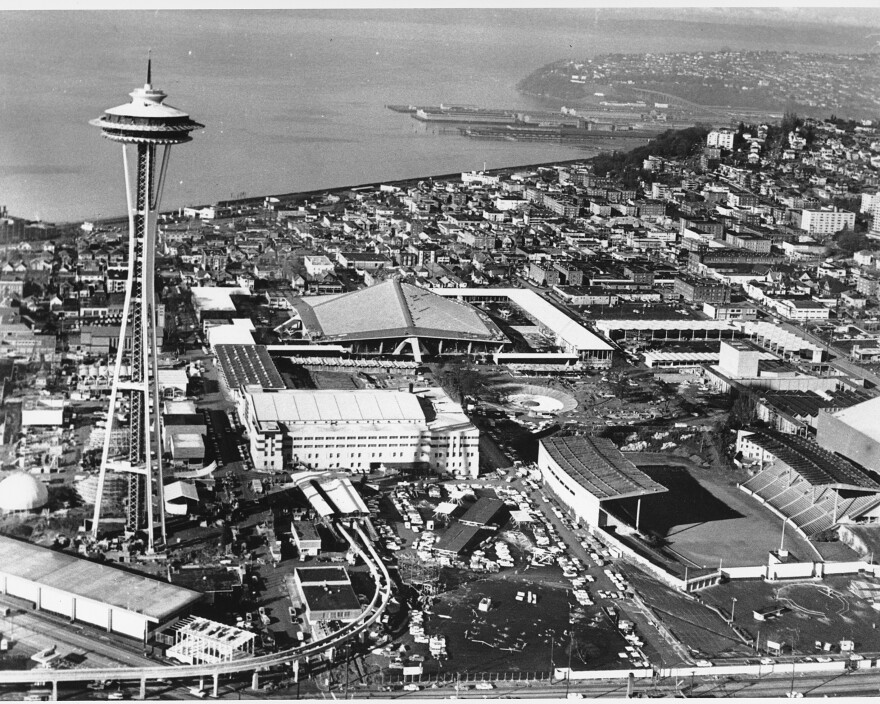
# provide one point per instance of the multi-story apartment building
(826, 222)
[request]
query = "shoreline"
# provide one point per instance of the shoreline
(295, 196)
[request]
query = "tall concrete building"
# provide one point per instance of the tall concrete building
(146, 128)
(360, 430)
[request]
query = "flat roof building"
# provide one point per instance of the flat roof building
(325, 593)
(853, 432)
(99, 594)
(568, 334)
(244, 365)
(359, 430)
(482, 513)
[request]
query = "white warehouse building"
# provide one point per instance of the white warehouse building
(359, 430)
(80, 590)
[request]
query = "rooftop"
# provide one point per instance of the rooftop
(206, 579)
(320, 575)
(394, 309)
(216, 297)
(863, 418)
(334, 597)
(457, 538)
(565, 327)
(102, 583)
(608, 325)
(248, 364)
(598, 466)
(360, 406)
(482, 511)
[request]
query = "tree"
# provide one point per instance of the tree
(850, 241)
(790, 122)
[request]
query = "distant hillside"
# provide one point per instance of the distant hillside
(812, 84)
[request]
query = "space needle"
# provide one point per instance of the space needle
(146, 128)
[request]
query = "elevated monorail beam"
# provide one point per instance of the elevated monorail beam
(370, 615)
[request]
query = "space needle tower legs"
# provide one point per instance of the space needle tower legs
(146, 128)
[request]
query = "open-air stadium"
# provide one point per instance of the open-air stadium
(812, 488)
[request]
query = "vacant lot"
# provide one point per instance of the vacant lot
(829, 611)
(700, 628)
(485, 642)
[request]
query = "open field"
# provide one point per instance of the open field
(707, 521)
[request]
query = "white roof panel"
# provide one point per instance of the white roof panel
(568, 329)
(365, 406)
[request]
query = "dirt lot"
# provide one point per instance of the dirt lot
(478, 641)
(834, 609)
(704, 632)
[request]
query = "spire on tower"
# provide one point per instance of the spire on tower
(149, 67)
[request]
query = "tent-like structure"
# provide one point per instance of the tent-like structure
(21, 491)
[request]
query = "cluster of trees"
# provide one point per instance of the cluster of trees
(672, 144)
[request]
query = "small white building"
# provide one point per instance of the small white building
(203, 641)
(317, 265)
(43, 412)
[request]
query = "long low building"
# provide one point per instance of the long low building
(584, 472)
(118, 601)
(359, 430)
(569, 335)
(658, 359)
(786, 344)
(672, 330)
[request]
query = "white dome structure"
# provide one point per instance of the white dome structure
(22, 492)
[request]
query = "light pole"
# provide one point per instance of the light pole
(568, 674)
(732, 609)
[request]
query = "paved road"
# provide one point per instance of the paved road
(863, 683)
(37, 632)
(668, 653)
(840, 361)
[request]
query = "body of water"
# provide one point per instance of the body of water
(294, 100)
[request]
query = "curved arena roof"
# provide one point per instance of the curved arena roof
(394, 309)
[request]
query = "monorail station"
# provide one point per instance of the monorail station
(113, 599)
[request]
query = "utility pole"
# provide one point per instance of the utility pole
(568, 675)
(347, 653)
